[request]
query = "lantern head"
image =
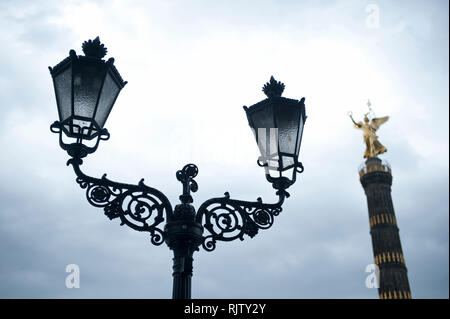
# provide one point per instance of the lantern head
(86, 88)
(277, 123)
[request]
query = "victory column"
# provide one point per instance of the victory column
(376, 179)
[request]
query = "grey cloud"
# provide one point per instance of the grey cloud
(318, 247)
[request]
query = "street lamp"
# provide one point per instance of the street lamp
(86, 88)
(277, 123)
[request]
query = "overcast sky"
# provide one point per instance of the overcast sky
(191, 66)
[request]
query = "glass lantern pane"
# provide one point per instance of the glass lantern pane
(287, 117)
(287, 161)
(263, 125)
(268, 145)
(63, 89)
(81, 127)
(263, 117)
(300, 135)
(108, 96)
(87, 81)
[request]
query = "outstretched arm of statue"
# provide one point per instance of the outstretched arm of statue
(357, 125)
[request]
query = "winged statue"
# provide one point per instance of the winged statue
(369, 127)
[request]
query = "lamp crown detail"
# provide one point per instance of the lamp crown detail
(273, 88)
(93, 48)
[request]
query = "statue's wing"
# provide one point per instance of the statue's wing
(376, 122)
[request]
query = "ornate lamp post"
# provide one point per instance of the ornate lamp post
(86, 88)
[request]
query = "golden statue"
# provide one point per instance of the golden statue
(373, 146)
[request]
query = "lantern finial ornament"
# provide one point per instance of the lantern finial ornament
(93, 48)
(273, 88)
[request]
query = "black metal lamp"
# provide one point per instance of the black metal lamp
(277, 123)
(86, 88)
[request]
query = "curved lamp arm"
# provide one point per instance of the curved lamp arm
(138, 206)
(144, 208)
(228, 219)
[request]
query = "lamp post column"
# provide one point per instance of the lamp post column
(184, 235)
(182, 273)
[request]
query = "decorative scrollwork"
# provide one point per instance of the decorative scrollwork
(227, 219)
(209, 243)
(137, 206)
(186, 177)
(142, 208)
